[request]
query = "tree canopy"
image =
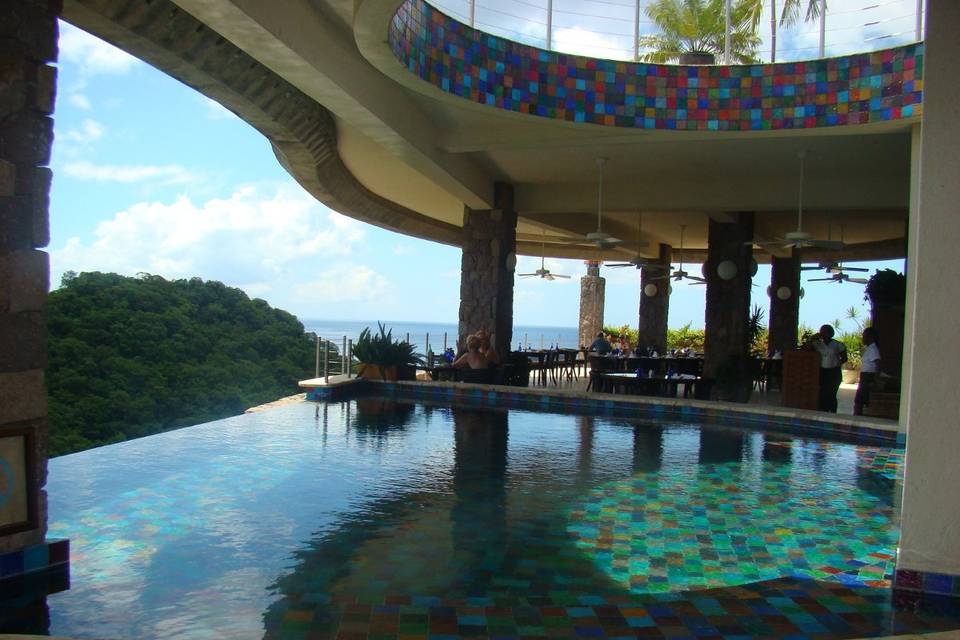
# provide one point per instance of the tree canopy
(699, 26)
(134, 356)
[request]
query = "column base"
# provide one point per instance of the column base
(908, 583)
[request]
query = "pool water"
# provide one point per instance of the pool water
(380, 517)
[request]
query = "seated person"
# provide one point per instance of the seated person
(601, 345)
(486, 347)
(472, 359)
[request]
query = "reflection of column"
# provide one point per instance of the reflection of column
(728, 273)
(585, 426)
(647, 448)
(592, 288)
(931, 510)
(479, 512)
(486, 278)
(655, 304)
(784, 304)
(720, 446)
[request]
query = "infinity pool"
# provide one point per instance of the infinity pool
(381, 518)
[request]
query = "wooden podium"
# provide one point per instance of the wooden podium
(801, 380)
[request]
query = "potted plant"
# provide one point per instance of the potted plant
(381, 357)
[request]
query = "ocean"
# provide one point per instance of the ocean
(535, 337)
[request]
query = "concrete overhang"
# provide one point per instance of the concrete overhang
(410, 156)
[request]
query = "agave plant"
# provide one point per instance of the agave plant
(381, 349)
(699, 26)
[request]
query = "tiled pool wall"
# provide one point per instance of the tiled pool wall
(39, 568)
(518, 398)
(465, 62)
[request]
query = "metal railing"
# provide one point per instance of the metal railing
(613, 28)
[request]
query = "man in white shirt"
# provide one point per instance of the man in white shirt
(869, 369)
(832, 355)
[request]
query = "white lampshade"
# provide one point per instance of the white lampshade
(802, 293)
(727, 270)
(669, 289)
(769, 292)
(784, 293)
(753, 267)
(650, 290)
(511, 261)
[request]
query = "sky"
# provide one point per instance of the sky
(151, 176)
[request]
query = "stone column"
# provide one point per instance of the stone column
(728, 301)
(784, 304)
(28, 39)
(929, 558)
(592, 290)
(486, 282)
(654, 309)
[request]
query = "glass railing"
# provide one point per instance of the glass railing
(611, 28)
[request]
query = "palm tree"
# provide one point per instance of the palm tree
(816, 10)
(699, 27)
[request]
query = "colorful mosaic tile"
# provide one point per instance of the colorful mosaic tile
(524, 399)
(489, 70)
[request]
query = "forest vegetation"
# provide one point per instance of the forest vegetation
(130, 357)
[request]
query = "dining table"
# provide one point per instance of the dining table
(649, 385)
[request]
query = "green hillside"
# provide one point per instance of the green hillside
(134, 356)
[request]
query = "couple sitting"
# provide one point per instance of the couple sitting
(479, 353)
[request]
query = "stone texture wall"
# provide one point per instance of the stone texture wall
(486, 284)
(592, 292)
(784, 314)
(654, 310)
(728, 301)
(28, 44)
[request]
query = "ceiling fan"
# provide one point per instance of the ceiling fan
(599, 238)
(543, 272)
(800, 239)
(834, 266)
(639, 261)
(839, 277)
(680, 274)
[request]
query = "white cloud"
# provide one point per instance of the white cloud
(169, 174)
(89, 131)
(93, 55)
(403, 250)
(589, 43)
(345, 283)
(80, 101)
(263, 243)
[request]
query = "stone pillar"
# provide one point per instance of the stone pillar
(592, 290)
(654, 309)
(728, 301)
(486, 282)
(28, 41)
(929, 558)
(784, 304)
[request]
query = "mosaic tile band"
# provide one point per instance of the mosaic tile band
(519, 398)
(856, 89)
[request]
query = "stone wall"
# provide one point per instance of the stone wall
(592, 292)
(486, 282)
(28, 44)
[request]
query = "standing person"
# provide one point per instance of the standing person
(832, 355)
(869, 369)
